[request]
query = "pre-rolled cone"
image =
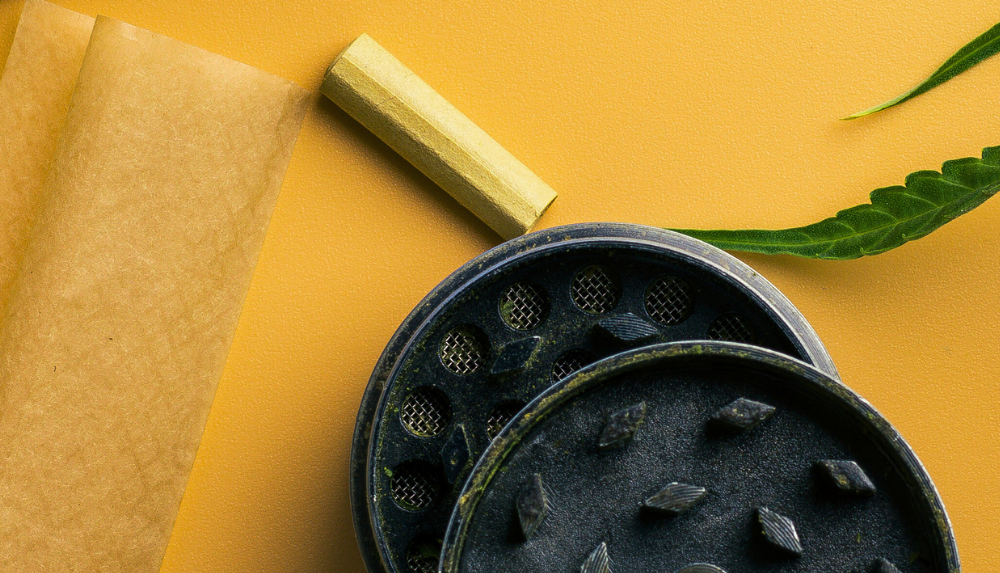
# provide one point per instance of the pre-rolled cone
(376, 89)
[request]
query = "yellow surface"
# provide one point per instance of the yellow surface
(687, 114)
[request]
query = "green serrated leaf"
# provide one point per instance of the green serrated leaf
(896, 215)
(971, 54)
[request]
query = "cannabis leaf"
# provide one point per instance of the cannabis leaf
(896, 215)
(974, 52)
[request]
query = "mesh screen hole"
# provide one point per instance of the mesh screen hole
(669, 300)
(464, 349)
(415, 485)
(426, 412)
(423, 553)
(500, 415)
(524, 306)
(731, 328)
(570, 362)
(595, 289)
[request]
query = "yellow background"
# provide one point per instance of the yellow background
(702, 113)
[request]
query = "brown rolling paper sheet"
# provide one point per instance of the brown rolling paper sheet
(123, 311)
(35, 91)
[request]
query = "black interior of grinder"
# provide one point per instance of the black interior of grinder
(508, 326)
(686, 454)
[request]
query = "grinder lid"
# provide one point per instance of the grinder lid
(699, 456)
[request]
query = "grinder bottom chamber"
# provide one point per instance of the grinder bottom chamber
(515, 322)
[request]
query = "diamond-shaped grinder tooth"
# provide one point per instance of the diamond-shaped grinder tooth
(598, 560)
(455, 454)
(882, 565)
(625, 330)
(846, 476)
(700, 568)
(514, 357)
(779, 531)
(532, 506)
(675, 498)
(622, 426)
(743, 414)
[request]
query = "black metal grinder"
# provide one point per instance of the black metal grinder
(507, 326)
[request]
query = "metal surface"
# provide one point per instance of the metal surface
(528, 313)
(724, 455)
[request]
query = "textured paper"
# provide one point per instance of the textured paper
(374, 87)
(35, 92)
(122, 313)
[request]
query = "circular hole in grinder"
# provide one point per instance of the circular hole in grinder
(731, 328)
(595, 290)
(569, 362)
(500, 415)
(524, 306)
(423, 554)
(415, 485)
(669, 300)
(464, 349)
(426, 412)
